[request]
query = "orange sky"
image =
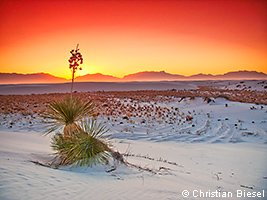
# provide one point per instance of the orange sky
(122, 37)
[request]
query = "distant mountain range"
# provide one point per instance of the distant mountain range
(152, 76)
(97, 78)
(14, 78)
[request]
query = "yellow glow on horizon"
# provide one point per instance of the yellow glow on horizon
(177, 56)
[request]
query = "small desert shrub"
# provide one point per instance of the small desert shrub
(85, 148)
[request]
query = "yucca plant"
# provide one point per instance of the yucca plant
(85, 148)
(83, 141)
(66, 114)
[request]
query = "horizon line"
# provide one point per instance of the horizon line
(157, 71)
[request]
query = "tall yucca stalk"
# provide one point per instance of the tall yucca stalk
(75, 60)
(67, 113)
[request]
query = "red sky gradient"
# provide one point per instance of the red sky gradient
(122, 37)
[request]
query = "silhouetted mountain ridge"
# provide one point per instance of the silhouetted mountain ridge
(162, 75)
(152, 76)
(242, 74)
(98, 77)
(15, 78)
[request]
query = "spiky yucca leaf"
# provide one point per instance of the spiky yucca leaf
(90, 126)
(66, 113)
(86, 148)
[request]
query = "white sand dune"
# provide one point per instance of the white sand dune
(224, 167)
(212, 122)
(219, 121)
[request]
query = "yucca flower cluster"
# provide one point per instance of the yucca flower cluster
(75, 60)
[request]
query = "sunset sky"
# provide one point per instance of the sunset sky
(121, 37)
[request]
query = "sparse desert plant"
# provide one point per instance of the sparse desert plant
(66, 114)
(75, 60)
(83, 141)
(85, 148)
